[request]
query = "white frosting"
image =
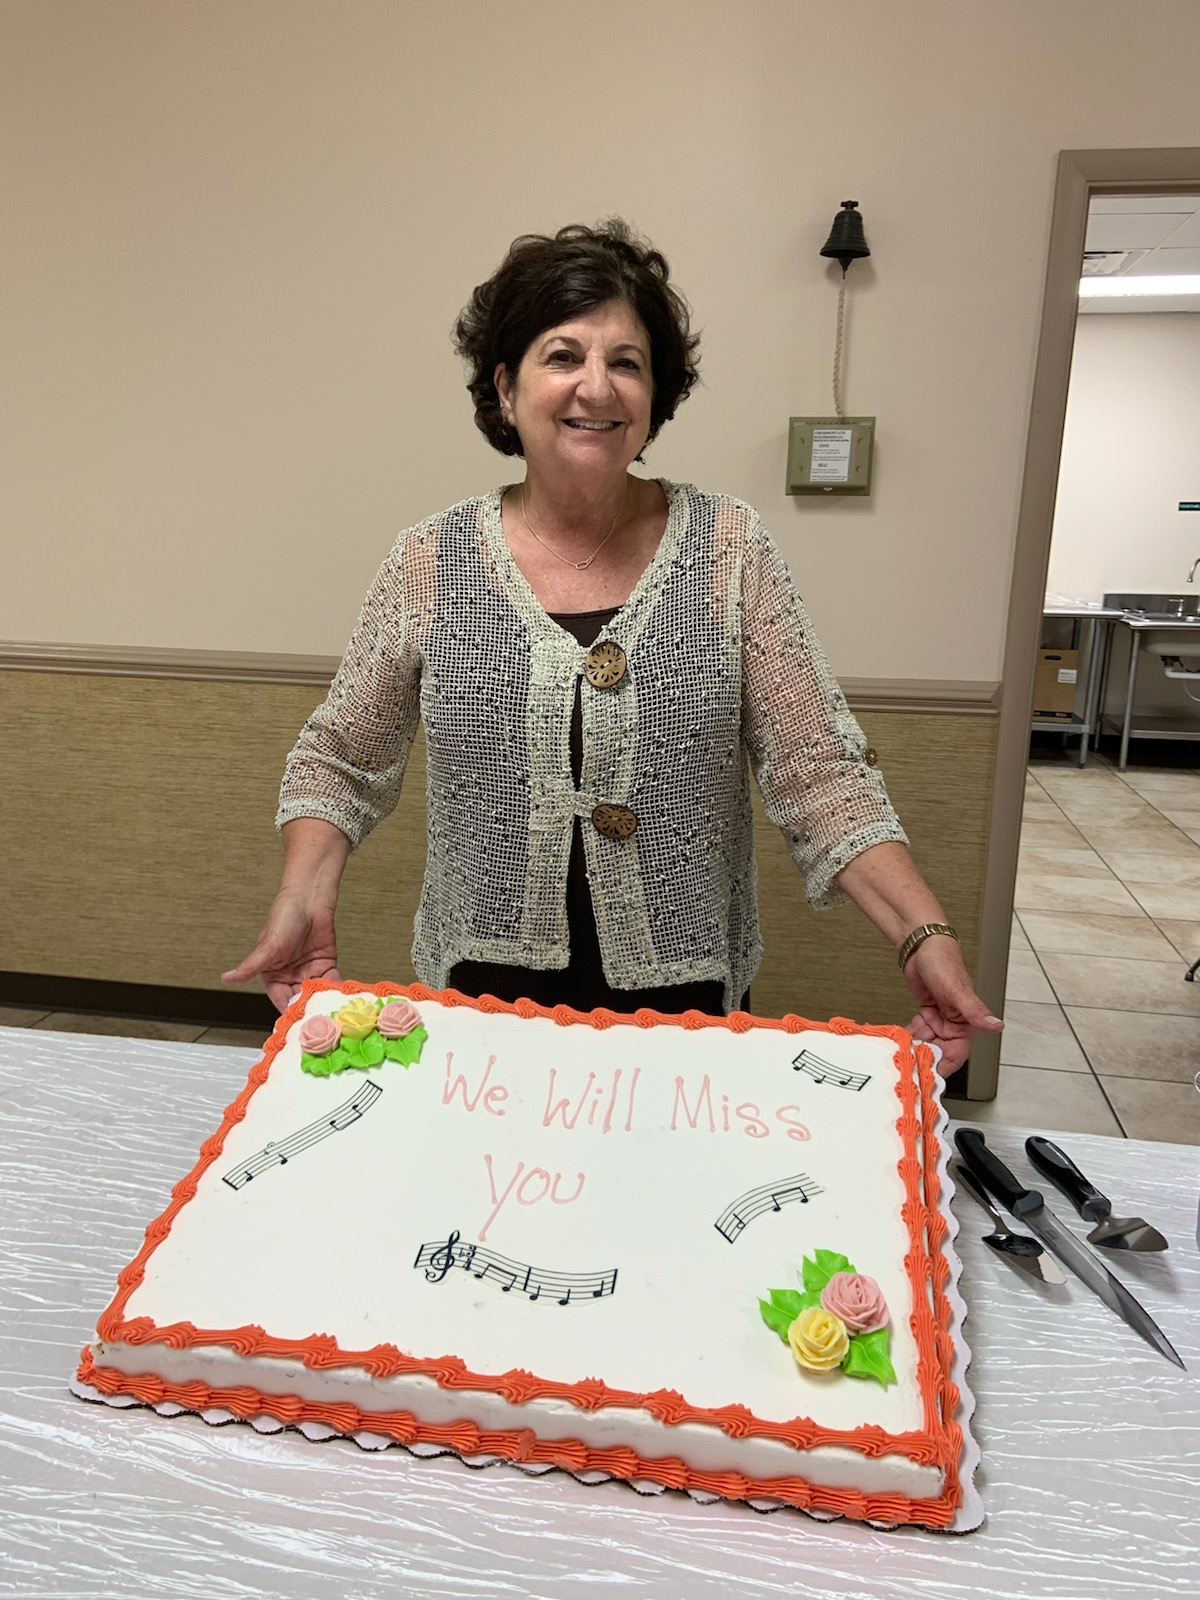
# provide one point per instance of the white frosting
(326, 1244)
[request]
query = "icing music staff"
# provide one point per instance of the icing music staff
(824, 1072)
(731, 1224)
(279, 1153)
(437, 1258)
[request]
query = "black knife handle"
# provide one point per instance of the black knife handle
(994, 1175)
(1056, 1165)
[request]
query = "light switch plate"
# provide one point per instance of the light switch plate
(830, 455)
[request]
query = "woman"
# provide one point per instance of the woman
(595, 657)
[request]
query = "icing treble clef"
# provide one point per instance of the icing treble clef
(440, 1261)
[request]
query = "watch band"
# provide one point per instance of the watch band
(918, 937)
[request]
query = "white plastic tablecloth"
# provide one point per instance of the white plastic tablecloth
(1091, 1442)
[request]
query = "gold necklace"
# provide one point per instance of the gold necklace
(579, 566)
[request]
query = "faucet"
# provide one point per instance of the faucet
(1192, 573)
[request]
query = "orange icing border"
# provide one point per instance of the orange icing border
(937, 1443)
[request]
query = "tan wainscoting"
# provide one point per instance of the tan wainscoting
(939, 769)
(138, 820)
(139, 845)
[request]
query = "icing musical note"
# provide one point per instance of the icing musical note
(768, 1197)
(825, 1072)
(277, 1153)
(562, 1287)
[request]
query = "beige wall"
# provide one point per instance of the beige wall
(1131, 453)
(238, 231)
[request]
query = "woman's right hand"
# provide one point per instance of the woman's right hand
(297, 942)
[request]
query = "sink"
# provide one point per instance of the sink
(1157, 607)
(1179, 615)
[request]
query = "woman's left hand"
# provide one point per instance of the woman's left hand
(951, 1013)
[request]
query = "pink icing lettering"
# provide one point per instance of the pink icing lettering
(559, 1108)
(703, 1103)
(534, 1172)
(565, 1200)
(637, 1072)
(518, 1185)
(492, 1099)
(606, 1126)
(497, 1199)
(795, 1130)
(459, 1086)
(754, 1125)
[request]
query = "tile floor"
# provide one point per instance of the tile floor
(1102, 1034)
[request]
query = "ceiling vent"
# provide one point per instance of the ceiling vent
(1099, 263)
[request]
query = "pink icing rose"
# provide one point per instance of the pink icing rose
(397, 1018)
(319, 1035)
(857, 1299)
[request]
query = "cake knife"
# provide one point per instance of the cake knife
(1028, 1207)
(1115, 1233)
(1018, 1248)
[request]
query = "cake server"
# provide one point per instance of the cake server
(1028, 1207)
(1024, 1252)
(1115, 1233)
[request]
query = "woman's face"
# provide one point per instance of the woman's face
(581, 399)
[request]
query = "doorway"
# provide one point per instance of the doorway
(1081, 175)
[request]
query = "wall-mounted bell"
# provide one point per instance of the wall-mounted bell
(846, 241)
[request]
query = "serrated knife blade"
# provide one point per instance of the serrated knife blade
(1029, 1207)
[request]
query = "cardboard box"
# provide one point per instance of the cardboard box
(1054, 685)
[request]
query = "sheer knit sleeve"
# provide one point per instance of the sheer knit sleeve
(806, 749)
(348, 763)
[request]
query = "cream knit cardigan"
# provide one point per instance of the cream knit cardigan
(724, 671)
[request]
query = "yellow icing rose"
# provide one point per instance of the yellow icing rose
(357, 1018)
(818, 1339)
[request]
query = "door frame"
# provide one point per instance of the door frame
(1081, 174)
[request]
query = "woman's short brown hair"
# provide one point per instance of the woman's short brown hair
(545, 281)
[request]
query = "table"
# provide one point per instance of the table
(1091, 1442)
(1140, 628)
(1099, 642)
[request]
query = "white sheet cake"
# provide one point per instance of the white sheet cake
(552, 1238)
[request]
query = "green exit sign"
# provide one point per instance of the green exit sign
(1189, 505)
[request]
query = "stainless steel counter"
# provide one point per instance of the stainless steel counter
(1086, 726)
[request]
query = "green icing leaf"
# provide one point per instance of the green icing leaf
(784, 1306)
(789, 1300)
(366, 1053)
(868, 1357)
(776, 1318)
(408, 1049)
(372, 1050)
(817, 1272)
(323, 1066)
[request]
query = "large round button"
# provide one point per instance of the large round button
(605, 665)
(614, 822)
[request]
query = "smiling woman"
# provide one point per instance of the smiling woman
(599, 660)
